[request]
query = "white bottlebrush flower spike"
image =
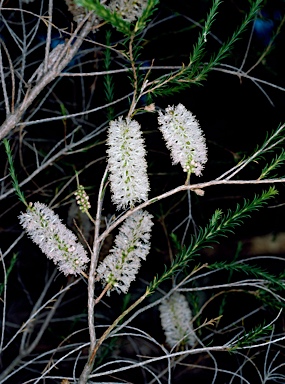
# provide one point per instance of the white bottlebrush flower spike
(127, 164)
(121, 266)
(59, 244)
(129, 10)
(184, 138)
(176, 321)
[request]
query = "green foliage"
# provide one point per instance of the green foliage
(109, 85)
(270, 300)
(276, 162)
(199, 48)
(252, 336)
(249, 270)
(226, 48)
(146, 15)
(271, 283)
(225, 296)
(115, 19)
(271, 142)
(196, 71)
(112, 17)
(13, 173)
(9, 270)
(219, 226)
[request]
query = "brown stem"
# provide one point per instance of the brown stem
(69, 52)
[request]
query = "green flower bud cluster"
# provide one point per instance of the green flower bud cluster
(82, 199)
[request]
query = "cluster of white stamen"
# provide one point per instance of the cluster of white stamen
(129, 10)
(121, 266)
(184, 138)
(56, 241)
(176, 321)
(127, 164)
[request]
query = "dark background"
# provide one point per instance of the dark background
(235, 116)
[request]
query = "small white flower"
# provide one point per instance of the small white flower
(58, 243)
(184, 138)
(176, 321)
(121, 266)
(127, 164)
(129, 10)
